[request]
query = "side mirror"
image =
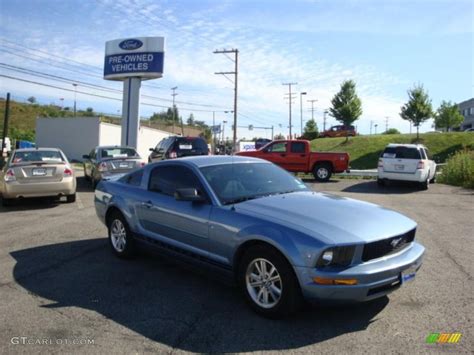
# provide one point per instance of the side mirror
(188, 194)
(151, 149)
(85, 156)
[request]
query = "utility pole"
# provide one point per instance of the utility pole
(213, 148)
(5, 127)
(386, 123)
(301, 110)
(75, 96)
(272, 132)
(376, 128)
(235, 73)
(312, 107)
(174, 107)
(371, 123)
(290, 98)
(324, 119)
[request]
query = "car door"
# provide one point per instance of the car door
(276, 153)
(297, 157)
(182, 223)
(88, 163)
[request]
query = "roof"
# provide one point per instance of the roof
(208, 160)
(36, 149)
(406, 145)
(113, 146)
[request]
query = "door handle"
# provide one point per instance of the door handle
(283, 155)
(147, 204)
(302, 155)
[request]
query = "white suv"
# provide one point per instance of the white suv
(406, 162)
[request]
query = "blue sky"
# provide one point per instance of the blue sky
(385, 46)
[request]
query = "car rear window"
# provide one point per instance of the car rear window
(47, 156)
(191, 144)
(401, 153)
(118, 153)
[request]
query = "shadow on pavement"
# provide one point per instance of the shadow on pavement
(31, 204)
(170, 303)
(371, 187)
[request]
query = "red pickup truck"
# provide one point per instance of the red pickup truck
(296, 156)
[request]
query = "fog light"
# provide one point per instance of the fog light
(327, 257)
(326, 281)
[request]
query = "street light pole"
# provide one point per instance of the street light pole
(301, 110)
(75, 96)
(324, 120)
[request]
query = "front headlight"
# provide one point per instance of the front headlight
(336, 256)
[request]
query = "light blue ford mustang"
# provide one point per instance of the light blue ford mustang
(282, 242)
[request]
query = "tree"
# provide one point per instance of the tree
(448, 116)
(278, 136)
(392, 131)
(310, 130)
(89, 112)
(32, 100)
(190, 120)
(418, 109)
(346, 105)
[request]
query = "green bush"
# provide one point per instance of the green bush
(459, 170)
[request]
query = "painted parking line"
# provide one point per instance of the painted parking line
(80, 205)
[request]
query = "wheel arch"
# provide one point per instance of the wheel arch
(323, 162)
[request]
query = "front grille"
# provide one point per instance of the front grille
(388, 246)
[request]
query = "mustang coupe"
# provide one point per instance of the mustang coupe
(281, 241)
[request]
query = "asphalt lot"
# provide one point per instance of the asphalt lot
(59, 282)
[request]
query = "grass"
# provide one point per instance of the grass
(365, 150)
(459, 170)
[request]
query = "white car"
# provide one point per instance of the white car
(406, 162)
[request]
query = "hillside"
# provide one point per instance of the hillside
(365, 150)
(23, 119)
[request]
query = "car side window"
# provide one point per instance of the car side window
(298, 147)
(167, 179)
(134, 179)
(277, 148)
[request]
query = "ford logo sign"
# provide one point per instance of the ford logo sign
(130, 44)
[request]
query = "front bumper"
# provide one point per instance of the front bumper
(375, 278)
(14, 189)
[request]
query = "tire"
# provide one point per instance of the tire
(71, 198)
(120, 236)
(433, 180)
(86, 177)
(264, 298)
(322, 172)
(425, 184)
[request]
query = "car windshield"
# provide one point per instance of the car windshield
(118, 153)
(239, 182)
(45, 156)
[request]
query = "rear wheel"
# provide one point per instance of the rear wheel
(322, 172)
(71, 198)
(433, 180)
(268, 282)
(120, 236)
(425, 184)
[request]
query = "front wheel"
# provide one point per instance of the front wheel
(425, 184)
(322, 172)
(71, 198)
(120, 236)
(269, 283)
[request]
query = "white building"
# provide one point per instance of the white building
(78, 136)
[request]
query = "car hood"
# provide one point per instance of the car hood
(329, 218)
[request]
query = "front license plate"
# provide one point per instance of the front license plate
(409, 274)
(123, 165)
(399, 167)
(39, 172)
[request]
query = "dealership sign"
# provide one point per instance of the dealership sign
(141, 57)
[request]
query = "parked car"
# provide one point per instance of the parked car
(296, 156)
(261, 142)
(262, 226)
(37, 172)
(178, 147)
(406, 162)
(339, 131)
(107, 161)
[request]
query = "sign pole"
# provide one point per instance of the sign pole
(130, 111)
